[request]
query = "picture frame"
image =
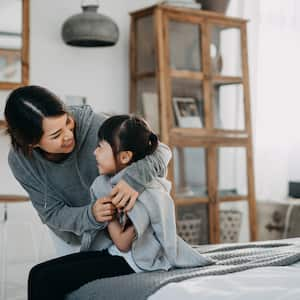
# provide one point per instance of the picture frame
(187, 113)
(150, 107)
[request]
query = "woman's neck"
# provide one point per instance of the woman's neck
(54, 157)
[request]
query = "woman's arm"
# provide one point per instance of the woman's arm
(51, 207)
(138, 175)
(122, 238)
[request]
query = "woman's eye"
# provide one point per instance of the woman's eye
(55, 137)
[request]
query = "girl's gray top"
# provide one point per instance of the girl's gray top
(157, 245)
(60, 191)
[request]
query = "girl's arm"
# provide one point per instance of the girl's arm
(122, 239)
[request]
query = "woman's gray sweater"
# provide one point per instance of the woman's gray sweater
(60, 191)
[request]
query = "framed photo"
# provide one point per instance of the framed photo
(187, 113)
(150, 110)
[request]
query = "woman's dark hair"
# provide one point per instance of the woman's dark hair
(24, 112)
(128, 133)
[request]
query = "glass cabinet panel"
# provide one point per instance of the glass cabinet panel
(192, 223)
(225, 51)
(232, 171)
(234, 221)
(145, 45)
(190, 172)
(229, 108)
(148, 103)
(188, 104)
(11, 28)
(184, 44)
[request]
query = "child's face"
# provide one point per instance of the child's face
(105, 159)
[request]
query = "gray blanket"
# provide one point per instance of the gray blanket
(228, 259)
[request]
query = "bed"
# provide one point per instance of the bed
(269, 283)
(261, 270)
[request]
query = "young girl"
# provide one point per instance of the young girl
(145, 240)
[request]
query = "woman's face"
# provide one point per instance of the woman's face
(58, 134)
(105, 158)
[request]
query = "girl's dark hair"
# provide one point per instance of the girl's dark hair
(24, 112)
(128, 133)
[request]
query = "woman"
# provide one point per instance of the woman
(52, 158)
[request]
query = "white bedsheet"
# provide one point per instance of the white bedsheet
(268, 283)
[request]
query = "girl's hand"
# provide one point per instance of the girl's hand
(103, 210)
(123, 196)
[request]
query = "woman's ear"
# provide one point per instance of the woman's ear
(125, 157)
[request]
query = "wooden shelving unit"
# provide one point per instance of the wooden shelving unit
(201, 58)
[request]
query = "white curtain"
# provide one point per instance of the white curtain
(274, 61)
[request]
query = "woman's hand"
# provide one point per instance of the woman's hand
(123, 196)
(103, 209)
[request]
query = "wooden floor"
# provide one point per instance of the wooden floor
(24, 241)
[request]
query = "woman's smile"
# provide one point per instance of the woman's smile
(69, 143)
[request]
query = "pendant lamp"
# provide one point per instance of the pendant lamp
(89, 28)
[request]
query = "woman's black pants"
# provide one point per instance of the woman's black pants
(55, 278)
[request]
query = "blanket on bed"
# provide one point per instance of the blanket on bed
(228, 259)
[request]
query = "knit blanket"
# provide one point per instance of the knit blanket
(227, 258)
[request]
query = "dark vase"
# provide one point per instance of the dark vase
(215, 5)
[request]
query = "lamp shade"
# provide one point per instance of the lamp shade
(90, 29)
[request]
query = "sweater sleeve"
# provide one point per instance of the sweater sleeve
(50, 206)
(139, 218)
(140, 173)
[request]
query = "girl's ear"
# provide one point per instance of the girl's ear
(125, 157)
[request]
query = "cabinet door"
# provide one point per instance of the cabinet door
(184, 45)
(187, 103)
(225, 50)
(184, 37)
(190, 190)
(228, 107)
(190, 172)
(232, 196)
(144, 41)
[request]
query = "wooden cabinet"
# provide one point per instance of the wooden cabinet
(189, 79)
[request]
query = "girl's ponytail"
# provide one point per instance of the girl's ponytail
(153, 143)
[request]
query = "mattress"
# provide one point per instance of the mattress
(261, 270)
(268, 283)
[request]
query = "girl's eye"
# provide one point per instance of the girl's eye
(55, 137)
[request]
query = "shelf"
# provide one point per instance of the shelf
(205, 141)
(218, 80)
(186, 74)
(232, 198)
(209, 132)
(190, 200)
(145, 75)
